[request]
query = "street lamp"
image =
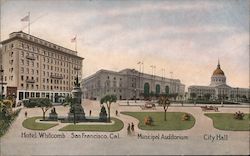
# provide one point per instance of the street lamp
(135, 95)
(2, 72)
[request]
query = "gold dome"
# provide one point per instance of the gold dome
(218, 71)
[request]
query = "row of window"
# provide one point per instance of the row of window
(34, 57)
(41, 51)
(44, 87)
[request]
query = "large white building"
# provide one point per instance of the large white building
(218, 89)
(128, 84)
(34, 67)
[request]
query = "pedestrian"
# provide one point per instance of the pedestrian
(116, 112)
(128, 129)
(90, 112)
(132, 127)
(26, 114)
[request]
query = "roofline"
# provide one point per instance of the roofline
(12, 38)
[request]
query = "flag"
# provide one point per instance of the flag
(25, 19)
(73, 39)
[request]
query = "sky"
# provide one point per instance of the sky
(183, 37)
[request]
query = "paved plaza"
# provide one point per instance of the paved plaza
(199, 138)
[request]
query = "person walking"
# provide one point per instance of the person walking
(116, 112)
(132, 127)
(26, 114)
(90, 112)
(128, 129)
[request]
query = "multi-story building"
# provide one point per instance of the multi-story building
(34, 67)
(2, 82)
(128, 84)
(218, 89)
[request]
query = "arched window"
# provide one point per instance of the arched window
(157, 89)
(146, 88)
(167, 89)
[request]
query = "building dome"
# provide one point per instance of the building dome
(218, 77)
(218, 71)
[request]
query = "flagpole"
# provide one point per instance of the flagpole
(76, 44)
(29, 23)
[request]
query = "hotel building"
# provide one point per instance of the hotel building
(34, 67)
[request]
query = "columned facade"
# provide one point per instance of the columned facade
(218, 89)
(128, 84)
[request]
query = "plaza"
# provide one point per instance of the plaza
(197, 140)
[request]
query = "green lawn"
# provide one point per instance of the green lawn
(225, 121)
(117, 126)
(174, 120)
(31, 124)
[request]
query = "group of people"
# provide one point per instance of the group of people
(131, 128)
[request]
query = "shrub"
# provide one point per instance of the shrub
(6, 121)
(185, 117)
(148, 120)
(8, 103)
(239, 115)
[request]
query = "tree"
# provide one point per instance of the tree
(68, 101)
(44, 103)
(108, 100)
(165, 103)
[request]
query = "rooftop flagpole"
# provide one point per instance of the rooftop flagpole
(76, 44)
(27, 19)
(75, 41)
(29, 22)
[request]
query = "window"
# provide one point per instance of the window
(22, 62)
(27, 62)
(27, 71)
(22, 70)
(22, 77)
(32, 63)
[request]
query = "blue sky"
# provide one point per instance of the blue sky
(183, 37)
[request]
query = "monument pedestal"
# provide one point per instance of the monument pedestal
(76, 112)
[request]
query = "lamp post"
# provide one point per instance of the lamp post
(135, 95)
(140, 64)
(2, 71)
(237, 95)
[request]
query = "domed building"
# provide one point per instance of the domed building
(218, 89)
(218, 77)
